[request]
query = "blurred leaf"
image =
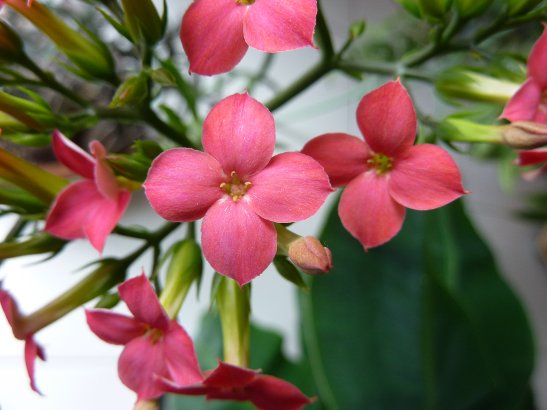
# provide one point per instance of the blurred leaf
(424, 321)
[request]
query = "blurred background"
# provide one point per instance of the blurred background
(80, 372)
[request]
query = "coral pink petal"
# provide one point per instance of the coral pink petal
(271, 393)
(180, 356)
(531, 157)
(140, 297)
(103, 217)
(103, 175)
(387, 119)
(343, 156)
(240, 133)
(426, 177)
(236, 241)
(229, 376)
(72, 156)
(183, 183)
(537, 61)
(141, 360)
(524, 104)
(292, 187)
(368, 212)
(32, 351)
(212, 36)
(280, 25)
(70, 210)
(113, 327)
(9, 307)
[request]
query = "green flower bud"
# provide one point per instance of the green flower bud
(185, 268)
(470, 8)
(37, 243)
(461, 82)
(131, 92)
(143, 21)
(21, 200)
(428, 9)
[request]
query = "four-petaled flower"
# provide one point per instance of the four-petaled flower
(530, 101)
(155, 346)
(237, 186)
(385, 173)
(217, 33)
(15, 320)
(89, 208)
(229, 382)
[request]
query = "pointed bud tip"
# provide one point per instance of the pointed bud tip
(310, 256)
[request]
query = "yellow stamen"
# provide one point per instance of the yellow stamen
(235, 187)
(380, 163)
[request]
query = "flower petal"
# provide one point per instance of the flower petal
(180, 356)
(103, 174)
(537, 60)
(103, 217)
(532, 156)
(342, 155)
(280, 25)
(368, 212)
(113, 327)
(271, 393)
(212, 36)
(72, 156)
(32, 351)
(183, 183)
(141, 360)
(240, 133)
(525, 103)
(237, 242)
(387, 119)
(70, 210)
(292, 187)
(229, 376)
(141, 299)
(426, 177)
(9, 306)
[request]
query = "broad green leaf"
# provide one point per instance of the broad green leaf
(424, 321)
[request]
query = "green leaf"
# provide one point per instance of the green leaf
(424, 321)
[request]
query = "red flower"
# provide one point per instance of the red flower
(154, 344)
(237, 187)
(91, 207)
(32, 349)
(229, 382)
(385, 173)
(530, 101)
(217, 33)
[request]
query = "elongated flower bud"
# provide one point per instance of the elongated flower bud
(143, 21)
(525, 134)
(308, 254)
(89, 56)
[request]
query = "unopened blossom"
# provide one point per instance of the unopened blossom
(88, 208)
(32, 349)
(229, 382)
(385, 173)
(237, 187)
(310, 255)
(155, 345)
(216, 34)
(530, 101)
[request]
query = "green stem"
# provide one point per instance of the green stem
(109, 273)
(52, 83)
(261, 74)
(151, 118)
(324, 35)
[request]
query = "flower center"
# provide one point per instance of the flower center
(380, 163)
(154, 334)
(235, 187)
(245, 2)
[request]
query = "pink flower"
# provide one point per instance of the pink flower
(89, 208)
(217, 33)
(536, 156)
(530, 101)
(154, 344)
(15, 320)
(386, 172)
(229, 382)
(237, 187)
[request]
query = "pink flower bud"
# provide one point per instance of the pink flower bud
(525, 134)
(308, 254)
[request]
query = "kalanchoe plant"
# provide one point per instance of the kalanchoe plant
(422, 319)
